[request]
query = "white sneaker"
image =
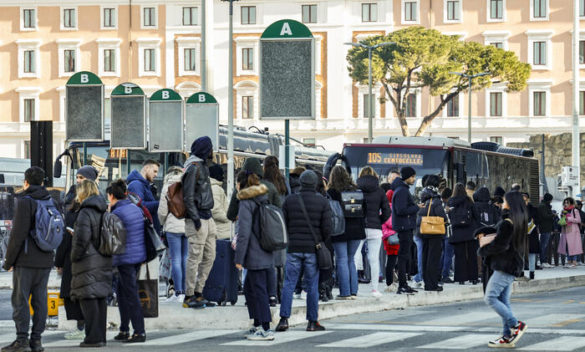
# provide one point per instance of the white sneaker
(172, 299)
(180, 298)
(75, 334)
(392, 288)
(297, 296)
(376, 294)
(261, 335)
(418, 284)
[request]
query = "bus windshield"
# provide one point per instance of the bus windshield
(386, 159)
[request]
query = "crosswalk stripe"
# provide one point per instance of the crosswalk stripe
(463, 342)
(280, 338)
(392, 327)
(188, 337)
(554, 319)
(564, 343)
(462, 319)
(375, 339)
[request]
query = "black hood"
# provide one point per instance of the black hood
(456, 201)
(428, 193)
(482, 195)
(35, 192)
(96, 202)
(368, 183)
(294, 180)
(397, 183)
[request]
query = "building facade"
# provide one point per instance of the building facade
(157, 44)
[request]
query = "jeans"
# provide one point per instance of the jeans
(358, 259)
(295, 263)
(544, 239)
(531, 262)
(179, 250)
(572, 258)
(497, 296)
(374, 242)
(419, 259)
(447, 258)
(346, 271)
(128, 299)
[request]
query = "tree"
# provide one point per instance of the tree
(424, 58)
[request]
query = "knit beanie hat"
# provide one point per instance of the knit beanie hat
(216, 172)
(253, 165)
(201, 147)
(407, 172)
(89, 172)
(309, 180)
(499, 192)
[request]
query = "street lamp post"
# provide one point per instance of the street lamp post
(470, 78)
(371, 105)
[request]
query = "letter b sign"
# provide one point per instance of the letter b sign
(165, 95)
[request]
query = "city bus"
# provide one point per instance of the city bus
(485, 163)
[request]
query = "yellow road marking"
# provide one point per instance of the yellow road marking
(566, 322)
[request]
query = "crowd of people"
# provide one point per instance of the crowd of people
(334, 225)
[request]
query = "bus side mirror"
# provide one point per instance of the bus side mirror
(2, 178)
(57, 169)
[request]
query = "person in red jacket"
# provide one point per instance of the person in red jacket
(391, 249)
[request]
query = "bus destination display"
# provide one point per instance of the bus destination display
(395, 159)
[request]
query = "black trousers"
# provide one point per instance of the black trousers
(405, 238)
(29, 282)
(465, 261)
(431, 260)
(128, 300)
(256, 292)
(390, 265)
(95, 326)
(72, 309)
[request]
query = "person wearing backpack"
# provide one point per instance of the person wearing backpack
(377, 212)
(250, 255)
(29, 264)
(464, 221)
(128, 263)
(346, 245)
(175, 232)
(91, 282)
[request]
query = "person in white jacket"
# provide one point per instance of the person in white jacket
(220, 203)
(175, 232)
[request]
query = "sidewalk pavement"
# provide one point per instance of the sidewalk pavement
(173, 316)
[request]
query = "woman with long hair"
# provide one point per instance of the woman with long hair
(463, 222)
(570, 241)
(272, 173)
(503, 255)
(346, 245)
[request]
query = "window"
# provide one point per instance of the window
(69, 61)
(69, 18)
(539, 9)
(496, 104)
(368, 105)
(109, 20)
(582, 8)
(190, 16)
(582, 52)
(411, 105)
(190, 59)
(309, 13)
(29, 19)
(29, 110)
(149, 60)
(539, 56)
(453, 10)
(27, 149)
(369, 12)
(497, 139)
(581, 102)
(498, 45)
(248, 59)
(496, 10)
(453, 107)
(248, 107)
(539, 101)
(29, 61)
(248, 14)
(109, 60)
(149, 17)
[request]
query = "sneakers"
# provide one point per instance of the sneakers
(418, 284)
(261, 335)
(18, 346)
(122, 336)
(36, 346)
(136, 338)
(447, 280)
(376, 294)
(75, 334)
(518, 331)
(502, 342)
(172, 299)
(251, 331)
(344, 298)
(392, 288)
(406, 289)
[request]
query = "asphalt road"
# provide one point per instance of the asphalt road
(556, 322)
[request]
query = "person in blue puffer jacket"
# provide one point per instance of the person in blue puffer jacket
(128, 263)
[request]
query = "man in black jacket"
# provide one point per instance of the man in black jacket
(30, 265)
(404, 221)
(199, 225)
(545, 227)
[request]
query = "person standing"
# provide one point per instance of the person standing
(392, 176)
(377, 212)
(346, 244)
(250, 255)
(463, 222)
(30, 266)
(404, 222)
(175, 231)
(91, 282)
(390, 249)
(63, 255)
(142, 185)
(532, 234)
(199, 225)
(220, 204)
(307, 215)
(505, 259)
(570, 241)
(432, 243)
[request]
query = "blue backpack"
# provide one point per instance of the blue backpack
(49, 225)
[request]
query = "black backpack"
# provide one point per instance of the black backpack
(272, 233)
(112, 240)
(460, 216)
(352, 203)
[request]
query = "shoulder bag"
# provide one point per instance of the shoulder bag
(323, 255)
(432, 225)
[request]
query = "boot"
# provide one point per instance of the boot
(36, 346)
(315, 326)
(282, 325)
(22, 345)
(532, 275)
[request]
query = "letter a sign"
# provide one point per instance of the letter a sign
(287, 72)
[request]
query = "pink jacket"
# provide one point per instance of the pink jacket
(571, 236)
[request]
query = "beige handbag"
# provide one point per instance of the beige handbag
(432, 225)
